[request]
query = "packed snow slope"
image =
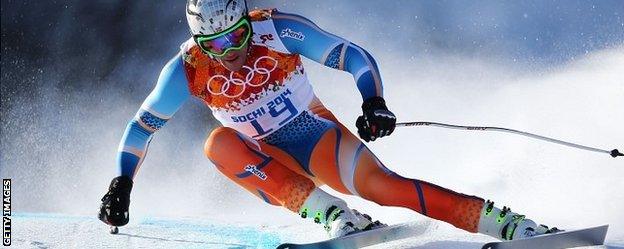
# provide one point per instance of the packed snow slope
(552, 68)
(71, 231)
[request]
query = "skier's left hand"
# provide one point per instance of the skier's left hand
(377, 120)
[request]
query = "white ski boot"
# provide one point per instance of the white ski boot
(344, 222)
(338, 219)
(506, 225)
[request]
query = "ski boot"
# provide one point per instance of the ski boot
(344, 222)
(115, 203)
(506, 225)
(338, 219)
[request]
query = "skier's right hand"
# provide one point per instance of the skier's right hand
(115, 203)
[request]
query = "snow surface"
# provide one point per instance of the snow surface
(181, 201)
(67, 231)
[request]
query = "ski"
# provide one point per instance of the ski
(567, 239)
(365, 238)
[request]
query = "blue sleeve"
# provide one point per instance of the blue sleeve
(300, 35)
(168, 96)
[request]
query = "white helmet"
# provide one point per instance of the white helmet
(206, 17)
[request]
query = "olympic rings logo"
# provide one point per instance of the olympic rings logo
(226, 82)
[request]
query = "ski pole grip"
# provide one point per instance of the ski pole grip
(615, 153)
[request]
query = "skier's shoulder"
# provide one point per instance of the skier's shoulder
(274, 15)
(287, 18)
(259, 15)
(191, 53)
(188, 44)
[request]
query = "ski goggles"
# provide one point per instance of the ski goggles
(233, 38)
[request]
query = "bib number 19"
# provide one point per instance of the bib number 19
(277, 107)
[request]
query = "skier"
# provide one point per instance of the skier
(278, 141)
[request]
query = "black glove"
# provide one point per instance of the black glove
(377, 120)
(115, 203)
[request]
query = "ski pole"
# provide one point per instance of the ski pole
(613, 153)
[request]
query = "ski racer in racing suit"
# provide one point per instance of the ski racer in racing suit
(277, 140)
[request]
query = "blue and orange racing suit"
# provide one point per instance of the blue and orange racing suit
(278, 141)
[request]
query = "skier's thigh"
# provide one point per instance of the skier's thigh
(326, 157)
(241, 159)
